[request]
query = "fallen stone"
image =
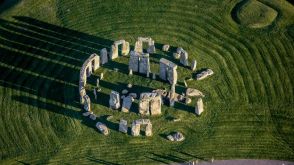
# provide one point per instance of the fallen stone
(178, 136)
(87, 113)
(123, 126)
(193, 92)
(102, 128)
(176, 119)
(188, 100)
(176, 55)
(133, 95)
(109, 117)
(170, 138)
(204, 74)
(130, 85)
(124, 92)
(93, 117)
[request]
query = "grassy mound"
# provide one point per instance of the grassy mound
(254, 14)
(43, 44)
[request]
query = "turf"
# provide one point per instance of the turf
(248, 103)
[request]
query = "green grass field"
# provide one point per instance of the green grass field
(249, 107)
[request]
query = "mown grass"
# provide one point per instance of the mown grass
(248, 102)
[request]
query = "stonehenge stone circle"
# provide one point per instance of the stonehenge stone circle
(204, 74)
(150, 104)
(123, 126)
(139, 45)
(135, 130)
(168, 71)
(103, 56)
(114, 49)
(199, 107)
(114, 100)
(102, 128)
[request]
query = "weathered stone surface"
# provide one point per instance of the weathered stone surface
(193, 65)
(204, 74)
(89, 66)
(103, 56)
(124, 92)
(150, 103)
(199, 107)
(193, 92)
(130, 85)
(165, 48)
(148, 131)
(144, 64)
(114, 101)
(178, 136)
(185, 84)
(102, 128)
(134, 61)
(114, 48)
(123, 126)
(183, 56)
(170, 138)
(135, 131)
(97, 83)
(93, 117)
(127, 103)
(87, 103)
(101, 76)
(168, 71)
(139, 45)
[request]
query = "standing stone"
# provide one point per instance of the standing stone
(184, 58)
(154, 76)
(135, 131)
(87, 103)
(168, 71)
(97, 83)
(93, 117)
(114, 52)
(185, 83)
(148, 131)
(123, 126)
(199, 107)
(150, 103)
(144, 64)
(193, 65)
(101, 76)
(165, 48)
(130, 72)
(114, 101)
(103, 56)
(148, 74)
(95, 94)
(134, 61)
(127, 103)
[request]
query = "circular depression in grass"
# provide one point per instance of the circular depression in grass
(254, 14)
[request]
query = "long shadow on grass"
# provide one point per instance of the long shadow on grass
(100, 161)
